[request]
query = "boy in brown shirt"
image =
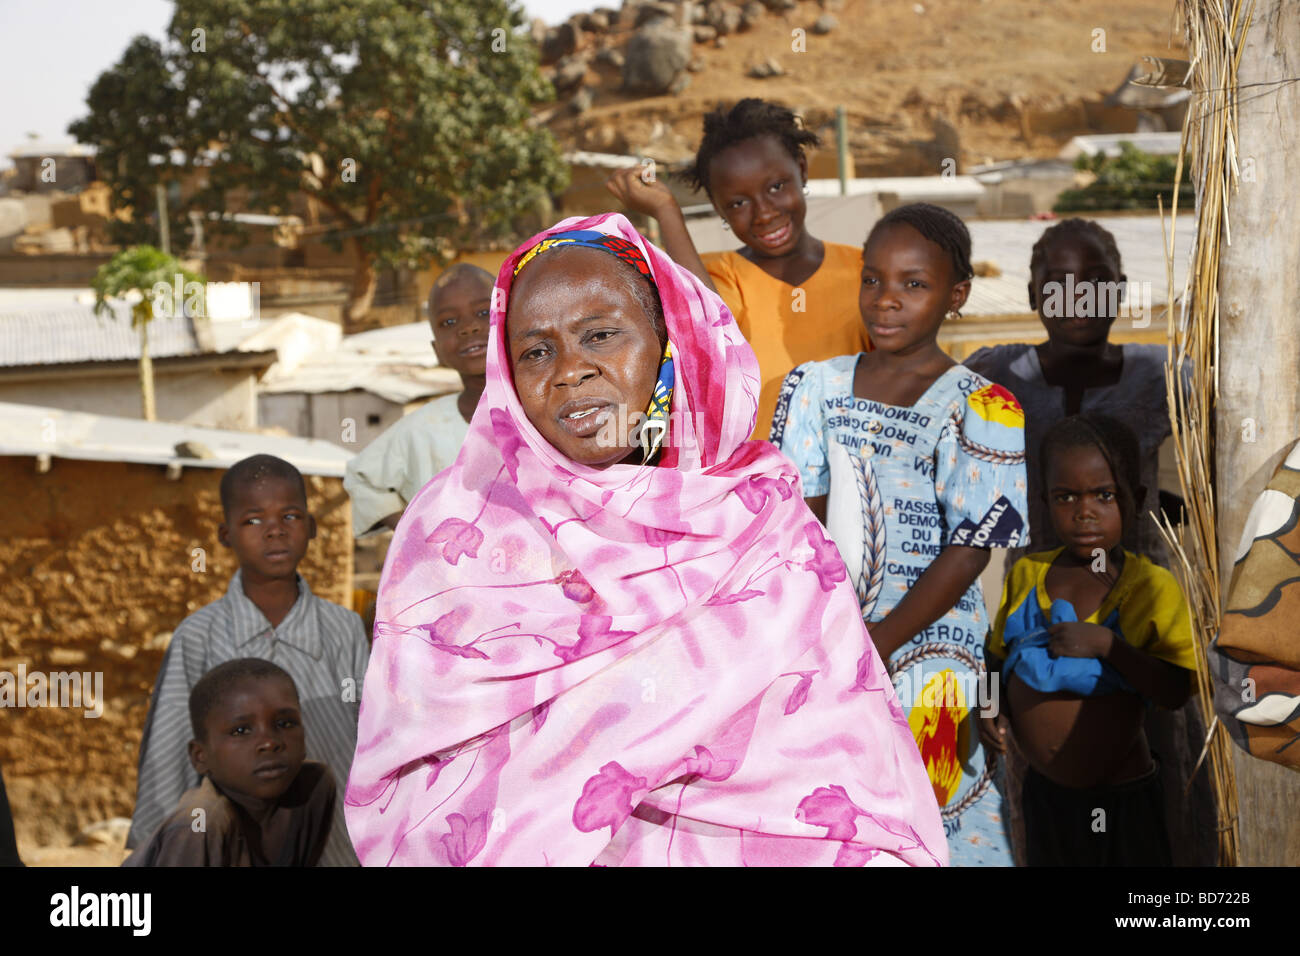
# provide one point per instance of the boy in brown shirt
(260, 803)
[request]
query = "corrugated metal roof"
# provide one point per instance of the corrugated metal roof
(413, 341)
(44, 148)
(1016, 169)
(1155, 143)
(907, 188)
(48, 335)
(294, 336)
(344, 372)
(43, 297)
(34, 430)
(396, 363)
(601, 160)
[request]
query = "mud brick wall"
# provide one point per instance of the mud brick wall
(97, 568)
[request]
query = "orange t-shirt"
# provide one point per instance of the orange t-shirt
(785, 328)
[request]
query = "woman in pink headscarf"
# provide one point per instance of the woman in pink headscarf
(612, 632)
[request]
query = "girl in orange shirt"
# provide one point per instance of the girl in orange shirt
(792, 295)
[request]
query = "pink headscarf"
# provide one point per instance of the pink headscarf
(635, 665)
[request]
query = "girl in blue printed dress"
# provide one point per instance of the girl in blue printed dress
(916, 466)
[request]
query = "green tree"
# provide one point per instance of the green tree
(153, 274)
(409, 120)
(1131, 180)
(136, 113)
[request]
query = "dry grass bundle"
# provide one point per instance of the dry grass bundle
(1215, 30)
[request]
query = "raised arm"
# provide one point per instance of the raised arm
(652, 198)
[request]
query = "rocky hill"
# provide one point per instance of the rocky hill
(980, 80)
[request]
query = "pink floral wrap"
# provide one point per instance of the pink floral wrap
(636, 665)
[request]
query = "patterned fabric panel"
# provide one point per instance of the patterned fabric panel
(1255, 660)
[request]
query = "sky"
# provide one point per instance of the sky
(51, 53)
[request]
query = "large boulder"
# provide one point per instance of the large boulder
(653, 10)
(724, 17)
(769, 67)
(582, 100)
(656, 55)
(610, 57)
(559, 42)
(568, 74)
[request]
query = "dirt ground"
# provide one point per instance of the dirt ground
(97, 567)
(980, 65)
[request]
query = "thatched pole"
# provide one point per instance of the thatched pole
(1258, 410)
(1208, 160)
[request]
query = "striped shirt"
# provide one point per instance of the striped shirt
(321, 645)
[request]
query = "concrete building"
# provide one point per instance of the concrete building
(350, 393)
(60, 354)
(41, 167)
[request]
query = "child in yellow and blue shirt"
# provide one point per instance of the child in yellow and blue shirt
(1086, 633)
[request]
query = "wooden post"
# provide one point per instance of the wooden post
(164, 227)
(842, 147)
(147, 407)
(1258, 413)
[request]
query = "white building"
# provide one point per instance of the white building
(56, 352)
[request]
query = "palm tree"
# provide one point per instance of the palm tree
(146, 270)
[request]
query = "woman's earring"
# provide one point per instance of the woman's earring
(806, 190)
(952, 314)
(726, 226)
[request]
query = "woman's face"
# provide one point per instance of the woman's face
(757, 187)
(584, 353)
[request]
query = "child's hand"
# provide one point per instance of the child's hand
(1079, 639)
(993, 732)
(630, 187)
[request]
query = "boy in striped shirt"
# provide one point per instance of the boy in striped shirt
(268, 611)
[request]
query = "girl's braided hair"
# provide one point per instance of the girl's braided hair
(748, 119)
(940, 226)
